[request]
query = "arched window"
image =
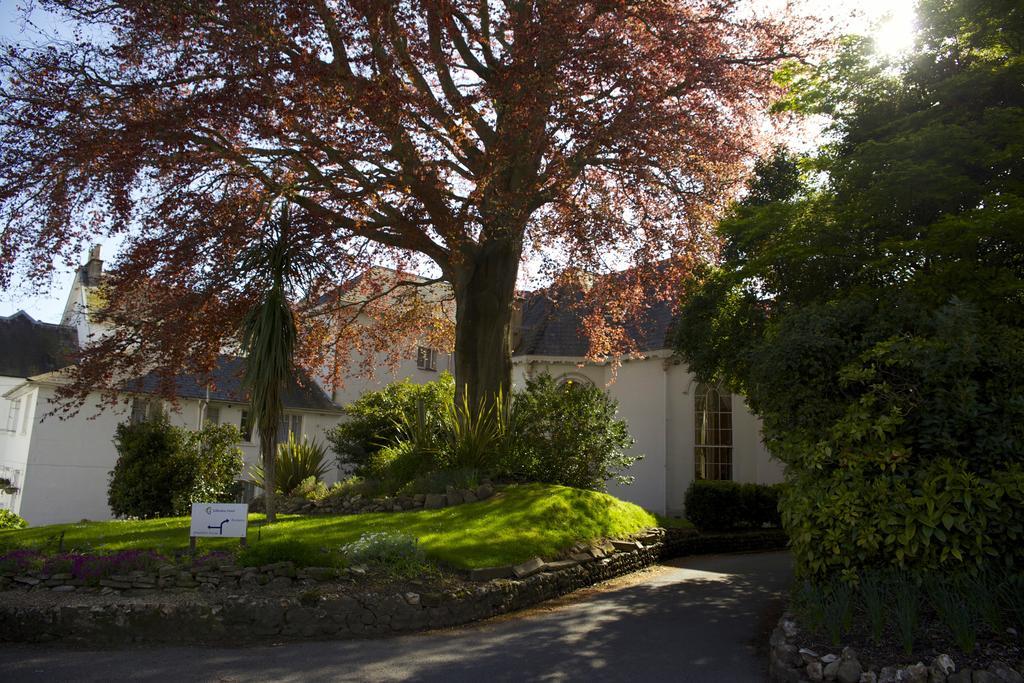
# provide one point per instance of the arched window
(712, 433)
(574, 378)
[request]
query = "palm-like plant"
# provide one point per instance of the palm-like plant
(296, 461)
(268, 341)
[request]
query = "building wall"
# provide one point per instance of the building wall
(67, 463)
(13, 444)
(656, 398)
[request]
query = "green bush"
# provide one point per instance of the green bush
(273, 550)
(728, 505)
(9, 520)
(395, 466)
(375, 420)
(567, 434)
(296, 462)
(161, 469)
(928, 518)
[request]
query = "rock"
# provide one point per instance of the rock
(868, 677)
(528, 568)
(490, 573)
(814, 671)
(918, 673)
(558, 566)
(626, 546)
(829, 658)
(887, 674)
(62, 589)
(581, 557)
(26, 580)
(484, 491)
(942, 665)
(454, 498)
(849, 671)
(1006, 674)
(832, 669)
(320, 573)
(963, 676)
(982, 676)
(433, 501)
(412, 599)
(778, 638)
(118, 585)
(789, 628)
(280, 582)
(469, 497)
(848, 653)
(808, 655)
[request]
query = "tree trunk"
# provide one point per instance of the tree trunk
(269, 447)
(483, 311)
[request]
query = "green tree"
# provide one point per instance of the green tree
(269, 336)
(870, 300)
(161, 469)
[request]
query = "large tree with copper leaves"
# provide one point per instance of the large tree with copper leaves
(457, 138)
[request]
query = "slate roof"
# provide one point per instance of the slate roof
(556, 329)
(225, 385)
(29, 348)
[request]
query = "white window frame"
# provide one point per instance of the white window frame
(713, 434)
(426, 358)
(13, 413)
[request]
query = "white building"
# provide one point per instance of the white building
(60, 468)
(683, 429)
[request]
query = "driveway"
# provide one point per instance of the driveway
(694, 619)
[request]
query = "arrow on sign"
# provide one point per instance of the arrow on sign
(218, 527)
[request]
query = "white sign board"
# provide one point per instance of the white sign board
(221, 520)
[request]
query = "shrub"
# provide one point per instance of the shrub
(162, 469)
(296, 462)
(374, 420)
(477, 437)
(272, 550)
(727, 505)
(938, 517)
(395, 552)
(9, 520)
(394, 466)
(567, 434)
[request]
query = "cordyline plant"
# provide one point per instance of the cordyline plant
(458, 137)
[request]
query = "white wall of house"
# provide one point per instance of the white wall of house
(15, 421)
(65, 465)
(356, 384)
(656, 399)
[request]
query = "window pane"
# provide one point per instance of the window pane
(712, 433)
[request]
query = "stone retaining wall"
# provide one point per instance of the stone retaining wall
(789, 663)
(223, 616)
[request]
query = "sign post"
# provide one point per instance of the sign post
(218, 520)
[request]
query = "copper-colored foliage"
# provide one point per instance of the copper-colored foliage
(599, 135)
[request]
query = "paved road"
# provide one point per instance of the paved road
(694, 619)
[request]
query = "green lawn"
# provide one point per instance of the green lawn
(519, 523)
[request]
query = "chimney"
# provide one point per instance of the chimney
(93, 267)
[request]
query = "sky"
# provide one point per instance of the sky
(891, 22)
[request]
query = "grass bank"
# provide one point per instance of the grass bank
(516, 524)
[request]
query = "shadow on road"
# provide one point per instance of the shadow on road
(700, 619)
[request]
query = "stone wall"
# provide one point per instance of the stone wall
(224, 615)
(789, 663)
